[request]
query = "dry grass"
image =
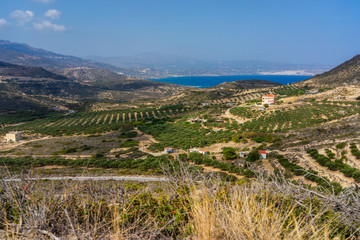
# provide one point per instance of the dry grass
(72, 210)
(187, 207)
(247, 213)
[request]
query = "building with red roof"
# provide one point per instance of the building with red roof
(269, 99)
(168, 150)
(263, 154)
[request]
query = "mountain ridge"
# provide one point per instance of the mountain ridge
(153, 65)
(345, 73)
(13, 70)
(24, 54)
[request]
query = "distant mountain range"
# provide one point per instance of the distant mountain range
(151, 65)
(23, 87)
(23, 54)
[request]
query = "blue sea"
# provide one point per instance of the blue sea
(204, 82)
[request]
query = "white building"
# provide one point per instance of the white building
(263, 154)
(203, 152)
(13, 137)
(269, 99)
(168, 150)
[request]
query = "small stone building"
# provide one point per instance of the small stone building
(13, 137)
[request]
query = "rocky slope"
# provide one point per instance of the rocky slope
(344, 74)
(86, 74)
(12, 70)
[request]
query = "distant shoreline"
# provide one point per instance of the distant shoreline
(210, 81)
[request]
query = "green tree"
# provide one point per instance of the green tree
(253, 156)
(356, 175)
(236, 139)
(229, 153)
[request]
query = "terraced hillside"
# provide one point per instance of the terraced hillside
(94, 122)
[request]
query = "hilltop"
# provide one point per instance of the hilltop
(247, 84)
(346, 73)
(24, 87)
(23, 54)
(88, 74)
(12, 70)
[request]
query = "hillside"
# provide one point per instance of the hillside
(12, 70)
(346, 73)
(32, 87)
(23, 54)
(91, 74)
(247, 84)
(110, 81)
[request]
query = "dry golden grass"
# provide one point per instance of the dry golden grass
(182, 208)
(249, 214)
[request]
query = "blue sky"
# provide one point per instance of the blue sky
(289, 31)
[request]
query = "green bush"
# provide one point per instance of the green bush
(337, 165)
(356, 175)
(230, 153)
(128, 143)
(67, 150)
(329, 153)
(253, 156)
(354, 150)
(341, 145)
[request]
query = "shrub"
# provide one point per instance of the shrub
(229, 153)
(354, 150)
(67, 150)
(236, 139)
(128, 143)
(253, 156)
(97, 155)
(329, 153)
(129, 134)
(356, 175)
(341, 145)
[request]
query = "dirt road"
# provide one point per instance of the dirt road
(98, 178)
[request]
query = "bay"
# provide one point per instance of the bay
(210, 81)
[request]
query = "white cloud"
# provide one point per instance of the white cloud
(21, 16)
(53, 13)
(47, 25)
(44, 1)
(3, 22)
